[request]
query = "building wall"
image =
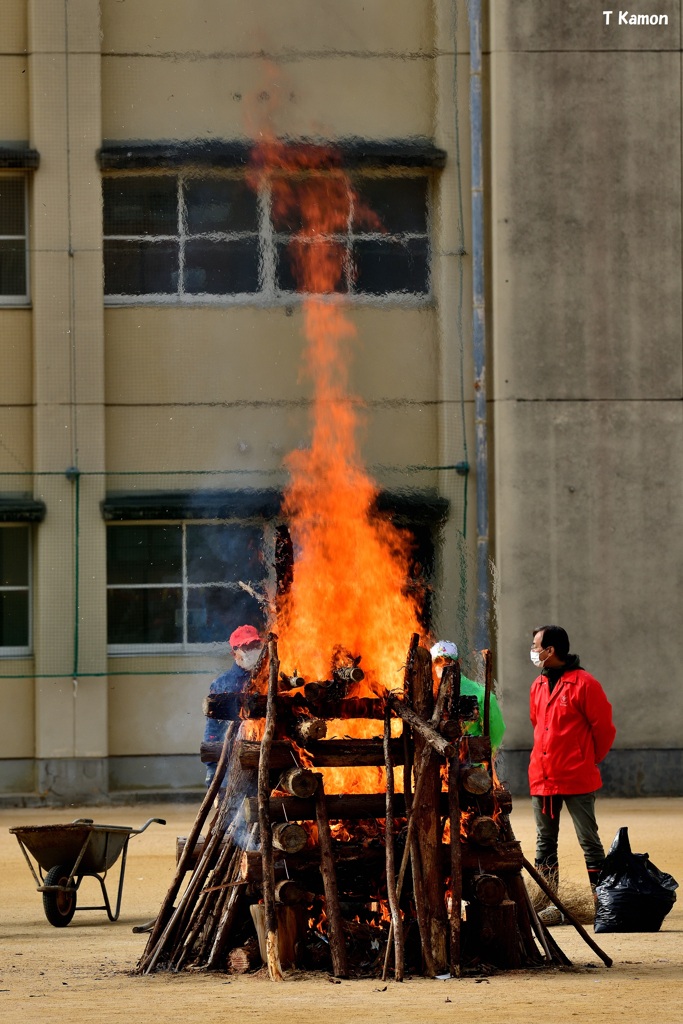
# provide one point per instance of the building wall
(586, 400)
(134, 396)
(582, 132)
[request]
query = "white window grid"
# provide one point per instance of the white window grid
(18, 651)
(269, 294)
(185, 646)
(22, 299)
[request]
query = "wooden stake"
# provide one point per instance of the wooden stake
(327, 870)
(186, 857)
(456, 852)
(554, 898)
(427, 733)
(396, 921)
(272, 954)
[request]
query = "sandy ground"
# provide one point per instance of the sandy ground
(83, 972)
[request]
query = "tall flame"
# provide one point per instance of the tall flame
(350, 565)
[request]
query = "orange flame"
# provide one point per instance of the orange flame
(350, 565)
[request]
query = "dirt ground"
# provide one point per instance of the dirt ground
(83, 972)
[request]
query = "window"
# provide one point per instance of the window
(14, 590)
(174, 586)
(180, 238)
(13, 273)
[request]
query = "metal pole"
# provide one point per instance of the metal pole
(482, 624)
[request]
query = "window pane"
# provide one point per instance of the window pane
(12, 267)
(386, 266)
(140, 268)
(151, 616)
(224, 554)
(399, 203)
(222, 268)
(14, 556)
(220, 205)
(320, 200)
(214, 612)
(14, 618)
(142, 205)
(144, 554)
(317, 271)
(12, 220)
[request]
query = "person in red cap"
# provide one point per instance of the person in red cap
(246, 644)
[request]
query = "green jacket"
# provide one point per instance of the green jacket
(496, 723)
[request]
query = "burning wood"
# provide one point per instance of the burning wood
(331, 856)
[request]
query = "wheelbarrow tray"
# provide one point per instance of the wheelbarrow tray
(61, 844)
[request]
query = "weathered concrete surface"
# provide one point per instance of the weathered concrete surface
(588, 536)
(586, 358)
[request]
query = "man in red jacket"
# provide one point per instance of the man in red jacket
(573, 732)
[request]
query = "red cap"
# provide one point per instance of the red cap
(244, 635)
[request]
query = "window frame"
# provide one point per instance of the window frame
(185, 647)
(25, 298)
(268, 293)
(27, 650)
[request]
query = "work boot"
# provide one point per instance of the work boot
(593, 878)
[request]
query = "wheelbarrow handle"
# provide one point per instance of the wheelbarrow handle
(137, 831)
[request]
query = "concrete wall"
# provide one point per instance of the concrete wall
(586, 400)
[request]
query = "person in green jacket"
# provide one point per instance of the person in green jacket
(445, 652)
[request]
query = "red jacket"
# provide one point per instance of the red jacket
(573, 731)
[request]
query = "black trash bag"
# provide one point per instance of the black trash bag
(632, 894)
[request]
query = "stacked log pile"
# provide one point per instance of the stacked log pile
(352, 883)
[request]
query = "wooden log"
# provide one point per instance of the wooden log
(349, 674)
(475, 779)
(488, 889)
(290, 893)
(502, 858)
(292, 682)
(427, 733)
(426, 807)
(340, 807)
(396, 922)
(495, 933)
(272, 951)
(502, 798)
(484, 831)
(289, 837)
(350, 753)
(230, 706)
(307, 730)
(450, 729)
(299, 782)
(243, 959)
(327, 870)
(476, 749)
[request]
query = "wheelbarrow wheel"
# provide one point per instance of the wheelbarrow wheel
(59, 907)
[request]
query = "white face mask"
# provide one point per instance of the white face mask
(536, 659)
(247, 659)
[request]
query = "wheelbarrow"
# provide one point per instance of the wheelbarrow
(66, 854)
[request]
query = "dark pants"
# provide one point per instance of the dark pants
(581, 808)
